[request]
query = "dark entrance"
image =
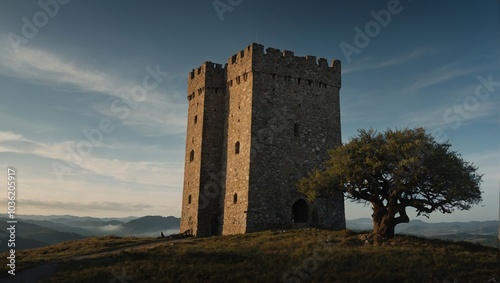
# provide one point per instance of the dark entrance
(214, 226)
(300, 212)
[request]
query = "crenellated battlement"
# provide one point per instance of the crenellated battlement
(263, 109)
(285, 63)
(208, 68)
(208, 76)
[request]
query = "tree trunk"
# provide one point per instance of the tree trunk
(384, 223)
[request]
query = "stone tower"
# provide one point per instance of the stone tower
(255, 127)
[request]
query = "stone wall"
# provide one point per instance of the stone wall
(281, 116)
(204, 143)
(239, 87)
(295, 120)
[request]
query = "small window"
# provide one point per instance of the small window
(195, 119)
(296, 129)
(189, 199)
(191, 155)
(235, 198)
(238, 80)
(237, 147)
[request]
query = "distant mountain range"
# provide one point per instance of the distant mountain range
(34, 231)
(37, 231)
(481, 232)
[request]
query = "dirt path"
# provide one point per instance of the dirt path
(44, 270)
(132, 247)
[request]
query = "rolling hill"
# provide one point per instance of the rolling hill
(300, 255)
(30, 235)
(45, 230)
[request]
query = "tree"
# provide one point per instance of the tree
(395, 170)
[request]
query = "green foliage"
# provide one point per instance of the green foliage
(408, 163)
(394, 170)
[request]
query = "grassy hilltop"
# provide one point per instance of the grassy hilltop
(306, 255)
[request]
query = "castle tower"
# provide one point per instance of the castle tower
(201, 200)
(282, 115)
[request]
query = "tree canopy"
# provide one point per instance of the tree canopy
(395, 170)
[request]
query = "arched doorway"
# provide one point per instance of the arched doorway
(300, 211)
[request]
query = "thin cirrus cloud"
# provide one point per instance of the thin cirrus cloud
(440, 75)
(370, 63)
(138, 172)
(156, 115)
(445, 117)
(91, 206)
(44, 67)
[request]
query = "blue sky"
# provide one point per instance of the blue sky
(116, 71)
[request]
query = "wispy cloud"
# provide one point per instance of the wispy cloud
(370, 63)
(440, 75)
(83, 207)
(139, 172)
(435, 117)
(158, 114)
(45, 67)
(39, 192)
(10, 136)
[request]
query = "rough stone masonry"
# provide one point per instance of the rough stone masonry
(256, 126)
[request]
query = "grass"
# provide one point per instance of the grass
(26, 259)
(305, 255)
